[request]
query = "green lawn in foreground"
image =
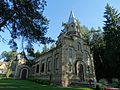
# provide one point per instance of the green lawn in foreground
(28, 85)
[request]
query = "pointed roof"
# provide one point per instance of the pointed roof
(72, 18)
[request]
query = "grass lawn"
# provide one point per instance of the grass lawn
(28, 85)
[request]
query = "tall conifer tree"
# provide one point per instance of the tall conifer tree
(112, 41)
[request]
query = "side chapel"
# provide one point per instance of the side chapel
(69, 62)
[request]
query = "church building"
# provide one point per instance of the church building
(69, 62)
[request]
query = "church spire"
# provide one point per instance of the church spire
(72, 18)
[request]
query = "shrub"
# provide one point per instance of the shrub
(115, 82)
(98, 87)
(103, 83)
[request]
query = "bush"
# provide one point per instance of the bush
(98, 87)
(115, 82)
(103, 83)
(2, 76)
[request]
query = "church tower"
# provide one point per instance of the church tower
(72, 23)
(77, 61)
(72, 27)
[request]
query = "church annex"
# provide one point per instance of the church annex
(69, 62)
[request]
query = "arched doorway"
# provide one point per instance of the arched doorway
(81, 73)
(80, 70)
(24, 74)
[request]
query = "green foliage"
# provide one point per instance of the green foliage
(10, 55)
(115, 82)
(30, 49)
(11, 58)
(112, 41)
(45, 48)
(37, 54)
(9, 70)
(24, 19)
(98, 87)
(111, 27)
(6, 78)
(106, 45)
(96, 40)
(85, 34)
(103, 83)
(2, 76)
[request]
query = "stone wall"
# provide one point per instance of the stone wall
(49, 66)
(18, 71)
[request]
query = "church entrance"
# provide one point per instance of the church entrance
(24, 74)
(80, 71)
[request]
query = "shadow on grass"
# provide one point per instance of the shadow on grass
(28, 85)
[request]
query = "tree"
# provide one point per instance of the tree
(11, 58)
(24, 19)
(11, 55)
(97, 46)
(30, 49)
(53, 46)
(45, 49)
(37, 54)
(111, 27)
(94, 39)
(112, 41)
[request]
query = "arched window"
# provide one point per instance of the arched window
(42, 67)
(49, 59)
(37, 69)
(79, 47)
(49, 66)
(70, 52)
(56, 62)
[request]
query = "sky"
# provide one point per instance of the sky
(88, 12)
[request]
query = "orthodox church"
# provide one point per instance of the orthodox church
(69, 62)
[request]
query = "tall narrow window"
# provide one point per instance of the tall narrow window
(70, 52)
(49, 66)
(56, 62)
(79, 46)
(42, 67)
(37, 69)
